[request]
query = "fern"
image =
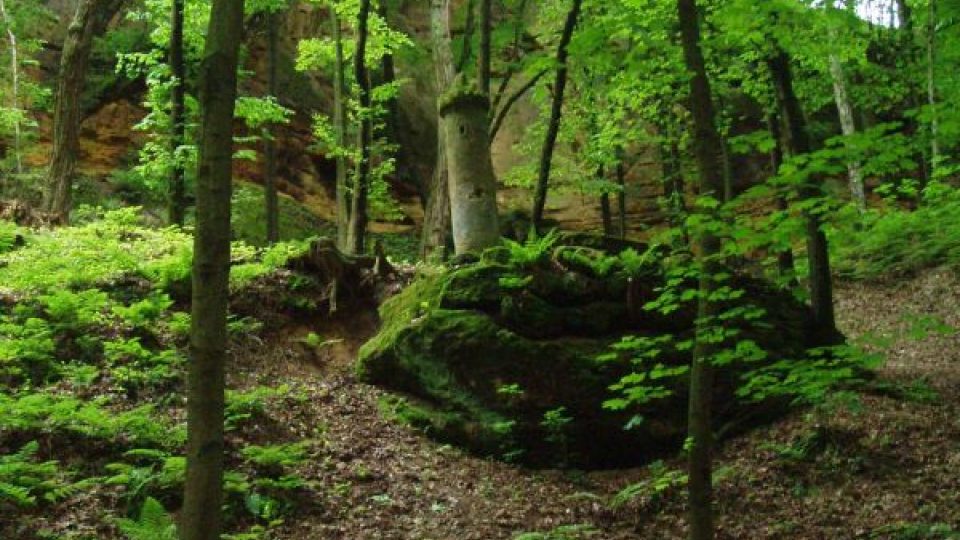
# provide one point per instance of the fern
(153, 524)
(531, 252)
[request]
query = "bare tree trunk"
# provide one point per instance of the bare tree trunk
(486, 28)
(797, 142)
(90, 20)
(177, 202)
(15, 83)
(270, 166)
(932, 86)
(606, 214)
(785, 262)
(465, 116)
(358, 212)
(203, 491)
(848, 126)
(436, 221)
(622, 195)
(340, 132)
(556, 110)
(707, 145)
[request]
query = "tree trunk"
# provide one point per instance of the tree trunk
(486, 28)
(14, 84)
(177, 204)
(270, 165)
(203, 491)
(622, 195)
(797, 143)
(932, 87)
(847, 126)
(785, 262)
(464, 115)
(436, 221)
(606, 215)
(466, 42)
(340, 132)
(556, 110)
(707, 145)
(358, 212)
(91, 19)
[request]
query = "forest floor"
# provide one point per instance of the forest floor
(887, 467)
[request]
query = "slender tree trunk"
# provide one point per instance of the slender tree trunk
(91, 19)
(486, 28)
(270, 170)
(436, 221)
(15, 83)
(473, 185)
(932, 86)
(797, 142)
(556, 110)
(177, 201)
(785, 262)
(466, 44)
(358, 213)
(622, 195)
(606, 214)
(501, 115)
(340, 132)
(203, 492)
(707, 146)
(847, 125)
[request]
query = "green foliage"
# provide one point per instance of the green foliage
(248, 219)
(531, 252)
(23, 479)
(277, 456)
(563, 532)
(56, 414)
(97, 253)
(153, 523)
(894, 242)
(662, 481)
(241, 407)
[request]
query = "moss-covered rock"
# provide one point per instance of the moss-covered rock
(502, 358)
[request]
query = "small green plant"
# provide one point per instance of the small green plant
(23, 479)
(661, 482)
(533, 251)
(579, 531)
(153, 523)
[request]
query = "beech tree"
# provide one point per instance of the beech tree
(91, 20)
(177, 203)
(707, 144)
(203, 491)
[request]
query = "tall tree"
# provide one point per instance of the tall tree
(932, 84)
(707, 144)
(848, 126)
(177, 203)
(797, 142)
(270, 166)
(90, 20)
(14, 82)
(556, 110)
(361, 187)
(486, 29)
(436, 221)
(340, 130)
(203, 491)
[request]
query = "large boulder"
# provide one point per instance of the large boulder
(500, 355)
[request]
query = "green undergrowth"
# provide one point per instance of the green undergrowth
(894, 242)
(93, 332)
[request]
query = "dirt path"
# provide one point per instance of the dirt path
(890, 469)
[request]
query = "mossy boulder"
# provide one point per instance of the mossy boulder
(501, 357)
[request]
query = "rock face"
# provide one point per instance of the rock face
(500, 356)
